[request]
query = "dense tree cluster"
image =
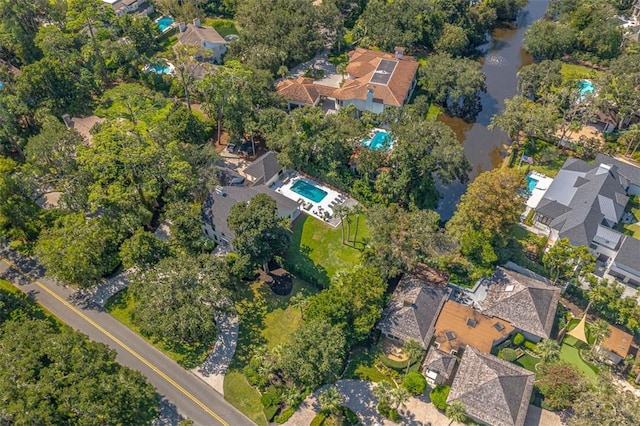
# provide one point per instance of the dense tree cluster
(51, 381)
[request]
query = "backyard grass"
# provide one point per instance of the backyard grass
(266, 319)
(632, 229)
(529, 248)
(576, 72)
(434, 111)
(571, 355)
(548, 163)
(317, 253)
(361, 366)
(527, 361)
(224, 27)
(121, 305)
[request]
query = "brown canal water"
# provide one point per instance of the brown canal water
(503, 58)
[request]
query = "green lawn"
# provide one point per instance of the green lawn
(120, 307)
(632, 229)
(361, 366)
(317, 252)
(529, 362)
(224, 27)
(576, 72)
(571, 355)
(8, 287)
(266, 319)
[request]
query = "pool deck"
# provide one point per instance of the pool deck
(541, 188)
(312, 208)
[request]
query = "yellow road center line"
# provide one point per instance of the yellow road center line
(116, 340)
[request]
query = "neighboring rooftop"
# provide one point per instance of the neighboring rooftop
(263, 168)
(618, 341)
(628, 256)
(195, 35)
(493, 391)
(528, 303)
(300, 90)
(440, 362)
(581, 197)
(414, 307)
(627, 170)
(461, 325)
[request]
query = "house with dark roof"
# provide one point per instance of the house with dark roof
(414, 307)
(264, 170)
(438, 366)
(459, 326)
(528, 303)
(376, 80)
(493, 391)
(584, 203)
(203, 38)
(217, 206)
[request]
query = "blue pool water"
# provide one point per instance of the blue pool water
(159, 68)
(1, 85)
(586, 87)
(164, 23)
(381, 141)
(309, 191)
(531, 184)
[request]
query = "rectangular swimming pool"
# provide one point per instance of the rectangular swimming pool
(309, 191)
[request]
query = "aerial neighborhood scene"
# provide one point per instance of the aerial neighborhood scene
(320, 212)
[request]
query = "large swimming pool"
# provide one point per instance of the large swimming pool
(309, 191)
(164, 23)
(380, 140)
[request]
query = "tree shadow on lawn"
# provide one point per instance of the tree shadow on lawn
(298, 260)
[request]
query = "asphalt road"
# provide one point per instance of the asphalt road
(191, 396)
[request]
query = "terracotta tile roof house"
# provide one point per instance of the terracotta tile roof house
(460, 325)
(493, 391)
(528, 303)
(585, 202)
(617, 344)
(203, 37)
(414, 307)
(377, 80)
(438, 366)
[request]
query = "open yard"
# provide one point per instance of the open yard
(571, 355)
(632, 229)
(317, 253)
(224, 27)
(266, 319)
(547, 158)
(120, 307)
(527, 361)
(576, 72)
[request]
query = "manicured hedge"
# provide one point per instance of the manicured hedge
(270, 411)
(415, 383)
(439, 396)
(285, 415)
(318, 419)
(518, 339)
(508, 354)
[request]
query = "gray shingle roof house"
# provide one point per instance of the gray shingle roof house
(217, 206)
(264, 170)
(493, 391)
(414, 307)
(584, 202)
(528, 303)
(438, 366)
(204, 38)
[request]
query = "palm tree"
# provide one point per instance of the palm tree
(382, 391)
(413, 349)
(357, 210)
(399, 396)
(549, 350)
(599, 330)
(340, 211)
(457, 412)
(299, 301)
(331, 400)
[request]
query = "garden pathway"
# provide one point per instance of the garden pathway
(213, 369)
(358, 396)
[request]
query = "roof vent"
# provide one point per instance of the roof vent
(472, 322)
(450, 335)
(498, 326)
(510, 287)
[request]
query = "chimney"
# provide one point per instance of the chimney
(182, 26)
(196, 22)
(399, 52)
(67, 121)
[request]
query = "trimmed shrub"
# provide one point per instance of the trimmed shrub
(271, 397)
(318, 419)
(439, 396)
(286, 415)
(530, 345)
(397, 365)
(389, 413)
(508, 354)
(270, 412)
(350, 417)
(415, 383)
(518, 339)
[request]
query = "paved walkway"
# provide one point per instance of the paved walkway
(103, 291)
(213, 369)
(358, 396)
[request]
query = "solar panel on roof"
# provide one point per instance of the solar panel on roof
(383, 73)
